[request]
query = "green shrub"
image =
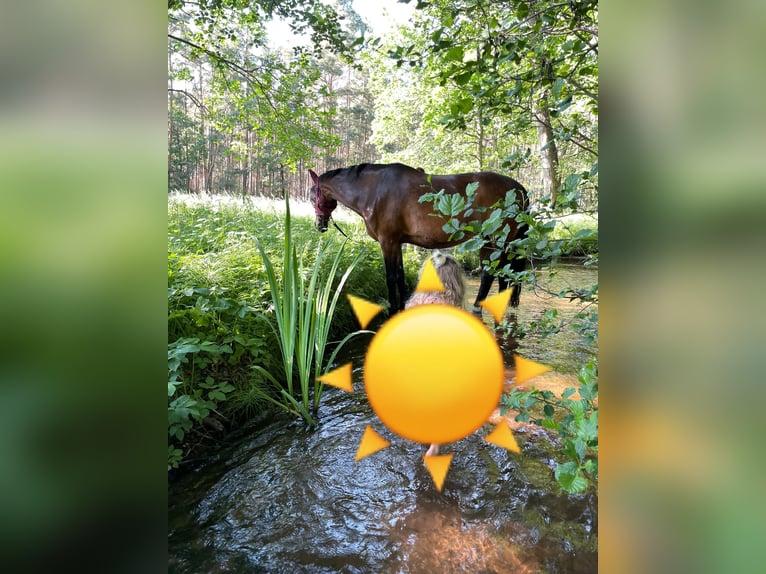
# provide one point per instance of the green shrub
(191, 403)
(575, 421)
(550, 236)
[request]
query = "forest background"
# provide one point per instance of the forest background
(465, 85)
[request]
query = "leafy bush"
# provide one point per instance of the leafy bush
(578, 234)
(189, 403)
(575, 421)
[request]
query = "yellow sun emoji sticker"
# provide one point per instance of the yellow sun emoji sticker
(433, 374)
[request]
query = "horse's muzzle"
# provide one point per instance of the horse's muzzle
(322, 223)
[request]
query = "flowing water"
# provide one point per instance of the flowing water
(564, 351)
(281, 498)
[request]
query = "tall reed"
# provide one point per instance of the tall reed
(304, 303)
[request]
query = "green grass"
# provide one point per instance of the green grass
(578, 233)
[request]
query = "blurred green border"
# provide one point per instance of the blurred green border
(82, 302)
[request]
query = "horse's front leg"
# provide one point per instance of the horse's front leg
(400, 280)
(392, 256)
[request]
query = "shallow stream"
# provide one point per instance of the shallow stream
(280, 498)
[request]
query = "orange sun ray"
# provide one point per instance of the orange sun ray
(429, 279)
(438, 466)
(371, 443)
(526, 369)
(364, 310)
(497, 304)
(340, 377)
(501, 436)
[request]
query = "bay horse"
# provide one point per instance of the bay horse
(386, 197)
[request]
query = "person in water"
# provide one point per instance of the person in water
(451, 276)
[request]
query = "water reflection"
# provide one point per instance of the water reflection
(288, 500)
(565, 351)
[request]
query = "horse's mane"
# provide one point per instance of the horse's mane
(355, 171)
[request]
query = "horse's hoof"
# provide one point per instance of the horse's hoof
(476, 310)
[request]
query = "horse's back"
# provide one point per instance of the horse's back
(488, 180)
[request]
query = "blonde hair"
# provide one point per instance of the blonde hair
(451, 276)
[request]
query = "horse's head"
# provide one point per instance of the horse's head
(323, 206)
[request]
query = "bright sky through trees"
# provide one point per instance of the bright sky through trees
(380, 16)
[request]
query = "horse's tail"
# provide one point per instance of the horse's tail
(518, 264)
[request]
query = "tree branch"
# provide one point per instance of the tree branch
(583, 89)
(193, 98)
(248, 74)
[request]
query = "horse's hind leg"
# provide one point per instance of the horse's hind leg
(502, 280)
(484, 287)
(518, 264)
(486, 281)
(391, 284)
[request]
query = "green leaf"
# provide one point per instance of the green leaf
(455, 53)
(463, 78)
(580, 448)
(577, 409)
(456, 205)
(461, 107)
(585, 234)
(188, 346)
(572, 181)
(492, 223)
(589, 391)
(570, 478)
(588, 430)
(473, 244)
(550, 424)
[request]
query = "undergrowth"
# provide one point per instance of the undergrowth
(223, 337)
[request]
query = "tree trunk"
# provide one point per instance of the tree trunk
(258, 178)
(549, 157)
(245, 166)
(170, 118)
(480, 130)
(480, 149)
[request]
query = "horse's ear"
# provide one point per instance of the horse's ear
(314, 176)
